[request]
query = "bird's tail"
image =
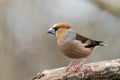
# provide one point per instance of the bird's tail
(100, 43)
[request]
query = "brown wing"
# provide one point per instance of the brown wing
(81, 38)
(89, 42)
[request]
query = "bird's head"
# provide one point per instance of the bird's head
(58, 29)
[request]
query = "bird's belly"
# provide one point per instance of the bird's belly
(74, 50)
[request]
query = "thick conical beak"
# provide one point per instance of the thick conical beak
(51, 31)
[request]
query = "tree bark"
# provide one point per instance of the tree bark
(104, 70)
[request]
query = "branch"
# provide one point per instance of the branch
(104, 70)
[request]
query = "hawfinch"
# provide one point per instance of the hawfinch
(72, 44)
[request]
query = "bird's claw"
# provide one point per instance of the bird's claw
(78, 66)
(69, 66)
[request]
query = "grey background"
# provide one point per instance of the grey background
(26, 48)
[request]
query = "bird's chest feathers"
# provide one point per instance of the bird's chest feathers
(69, 46)
(74, 49)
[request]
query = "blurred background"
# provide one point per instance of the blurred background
(26, 48)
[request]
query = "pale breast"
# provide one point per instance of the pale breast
(74, 49)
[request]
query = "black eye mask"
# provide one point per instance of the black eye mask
(55, 28)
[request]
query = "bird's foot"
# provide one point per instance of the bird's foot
(70, 65)
(78, 66)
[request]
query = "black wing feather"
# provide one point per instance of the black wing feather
(94, 43)
(81, 38)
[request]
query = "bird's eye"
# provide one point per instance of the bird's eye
(55, 28)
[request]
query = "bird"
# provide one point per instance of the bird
(72, 44)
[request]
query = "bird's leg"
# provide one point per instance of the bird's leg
(78, 66)
(70, 64)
